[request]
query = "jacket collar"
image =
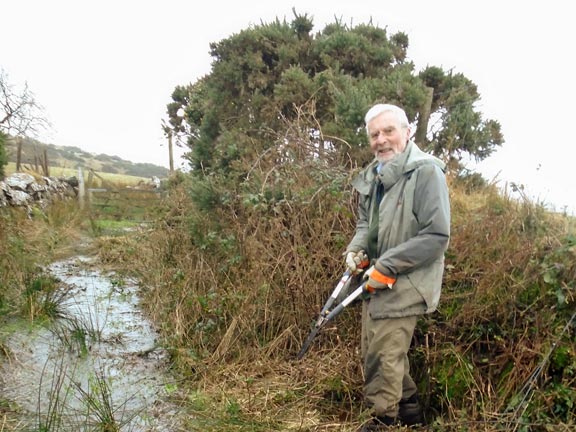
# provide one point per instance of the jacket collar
(393, 170)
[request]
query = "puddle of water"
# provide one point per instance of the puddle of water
(101, 359)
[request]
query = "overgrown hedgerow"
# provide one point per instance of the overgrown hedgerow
(235, 274)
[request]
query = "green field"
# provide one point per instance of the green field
(116, 179)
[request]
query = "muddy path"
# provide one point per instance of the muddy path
(99, 366)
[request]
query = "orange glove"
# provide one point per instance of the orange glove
(377, 280)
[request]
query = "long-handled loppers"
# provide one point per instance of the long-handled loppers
(326, 314)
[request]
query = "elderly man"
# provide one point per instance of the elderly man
(403, 226)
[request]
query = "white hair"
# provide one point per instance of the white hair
(378, 109)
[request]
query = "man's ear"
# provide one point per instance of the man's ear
(408, 131)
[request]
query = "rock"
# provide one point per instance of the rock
(22, 189)
(72, 181)
(20, 181)
(18, 198)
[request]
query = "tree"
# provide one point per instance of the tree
(458, 128)
(267, 76)
(20, 115)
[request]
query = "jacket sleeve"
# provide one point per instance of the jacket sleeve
(432, 212)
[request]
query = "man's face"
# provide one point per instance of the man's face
(387, 138)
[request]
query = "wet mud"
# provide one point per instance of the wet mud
(98, 363)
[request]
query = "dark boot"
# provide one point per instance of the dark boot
(378, 424)
(410, 411)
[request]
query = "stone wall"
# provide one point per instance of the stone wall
(25, 190)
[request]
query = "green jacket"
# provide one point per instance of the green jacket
(413, 231)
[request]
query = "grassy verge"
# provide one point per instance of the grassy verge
(27, 245)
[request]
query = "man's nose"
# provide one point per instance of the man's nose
(380, 137)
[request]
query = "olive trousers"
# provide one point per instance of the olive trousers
(385, 344)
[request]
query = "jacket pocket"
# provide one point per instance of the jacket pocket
(428, 282)
(415, 293)
(403, 299)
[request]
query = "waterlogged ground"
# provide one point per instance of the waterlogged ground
(99, 364)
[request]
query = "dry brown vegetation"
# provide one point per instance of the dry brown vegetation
(235, 278)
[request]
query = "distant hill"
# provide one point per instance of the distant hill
(73, 157)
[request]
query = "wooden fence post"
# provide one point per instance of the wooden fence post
(81, 188)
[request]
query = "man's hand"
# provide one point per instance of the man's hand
(377, 280)
(357, 261)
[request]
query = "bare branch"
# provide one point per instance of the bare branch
(20, 114)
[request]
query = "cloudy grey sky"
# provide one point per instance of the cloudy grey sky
(104, 70)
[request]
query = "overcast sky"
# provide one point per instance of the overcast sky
(104, 70)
